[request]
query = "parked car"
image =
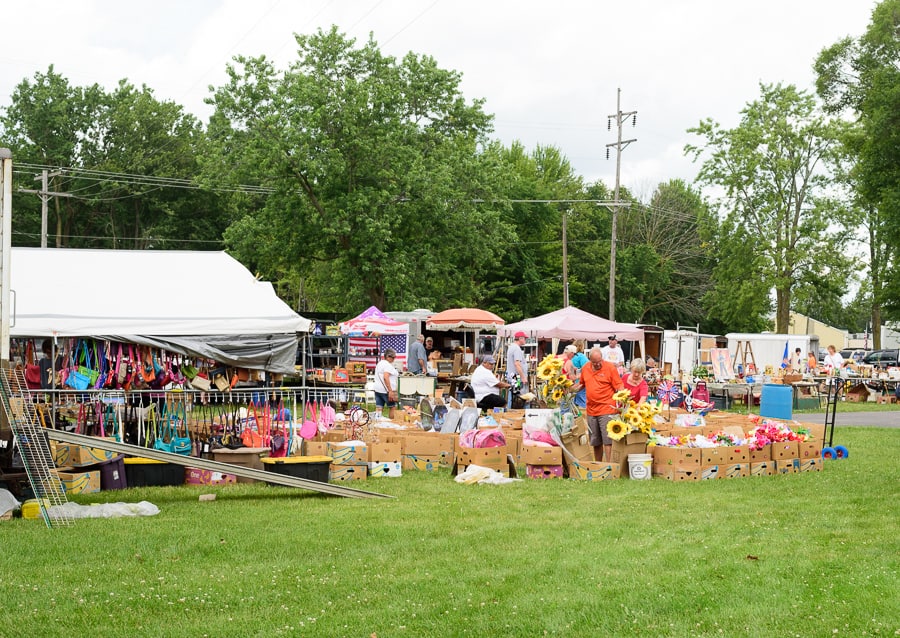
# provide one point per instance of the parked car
(882, 358)
(854, 355)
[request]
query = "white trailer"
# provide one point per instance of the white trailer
(768, 348)
(681, 350)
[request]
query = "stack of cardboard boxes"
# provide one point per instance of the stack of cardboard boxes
(349, 461)
(542, 461)
(695, 464)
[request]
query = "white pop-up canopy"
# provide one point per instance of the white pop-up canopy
(202, 303)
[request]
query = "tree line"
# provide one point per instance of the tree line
(352, 178)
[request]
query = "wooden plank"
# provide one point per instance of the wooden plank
(206, 464)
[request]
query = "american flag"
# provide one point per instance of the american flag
(398, 343)
(359, 346)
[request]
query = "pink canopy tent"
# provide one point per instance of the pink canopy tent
(373, 322)
(371, 333)
(572, 323)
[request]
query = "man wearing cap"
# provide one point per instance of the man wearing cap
(612, 352)
(486, 386)
(601, 380)
(516, 366)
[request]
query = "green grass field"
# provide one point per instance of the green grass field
(812, 554)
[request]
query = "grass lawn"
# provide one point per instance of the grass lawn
(812, 554)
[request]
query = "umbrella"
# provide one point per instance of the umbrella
(465, 320)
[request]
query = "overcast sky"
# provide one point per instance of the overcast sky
(549, 71)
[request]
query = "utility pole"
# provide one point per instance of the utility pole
(45, 198)
(5, 249)
(620, 144)
(565, 261)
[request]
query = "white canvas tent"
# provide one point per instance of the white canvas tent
(202, 303)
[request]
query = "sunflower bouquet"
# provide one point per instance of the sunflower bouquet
(632, 417)
(554, 383)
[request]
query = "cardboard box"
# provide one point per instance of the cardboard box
(541, 455)
(592, 470)
(343, 473)
(787, 466)
(196, 476)
(80, 482)
(676, 472)
(385, 469)
(734, 470)
(348, 453)
(315, 448)
(686, 457)
(634, 443)
(811, 464)
(543, 471)
(761, 455)
(483, 456)
(385, 452)
(709, 472)
(809, 450)
(577, 443)
(762, 468)
(785, 450)
(425, 444)
(422, 463)
(72, 455)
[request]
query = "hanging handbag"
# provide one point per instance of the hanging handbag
(180, 444)
(148, 373)
(162, 441)
(121, 369)
(75, 378)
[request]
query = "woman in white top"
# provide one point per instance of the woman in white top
(833, 359)
(386, 378)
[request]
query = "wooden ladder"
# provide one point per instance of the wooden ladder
(744, 350)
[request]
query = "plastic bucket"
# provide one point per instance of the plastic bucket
(639, 466)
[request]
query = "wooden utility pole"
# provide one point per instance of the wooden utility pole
(45, 198)
(619, 144)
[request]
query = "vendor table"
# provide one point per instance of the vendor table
(746, 391)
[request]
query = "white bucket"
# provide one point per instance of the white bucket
(639, 466)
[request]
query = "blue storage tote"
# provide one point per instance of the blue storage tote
(777, 401)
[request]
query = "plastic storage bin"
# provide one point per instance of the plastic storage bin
(112, 473)
(141, 472)
(776, 401)
(313, 468)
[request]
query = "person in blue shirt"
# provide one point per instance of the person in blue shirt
(575, 360)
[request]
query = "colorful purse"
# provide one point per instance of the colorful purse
(180, 444)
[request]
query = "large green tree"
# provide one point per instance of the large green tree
(378, 172)
(123, 158)
(779, 225)
(863, 76)
(661, 261)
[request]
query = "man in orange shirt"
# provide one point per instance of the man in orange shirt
(601, 380)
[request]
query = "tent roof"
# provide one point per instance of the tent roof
(373, 321)
(572, 323)
(78, 293)
(464, 319)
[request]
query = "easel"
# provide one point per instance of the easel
(743, 350)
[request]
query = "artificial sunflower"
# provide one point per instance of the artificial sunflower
(544, 373)
(622, 396)
(558, 394)
(616, 429)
